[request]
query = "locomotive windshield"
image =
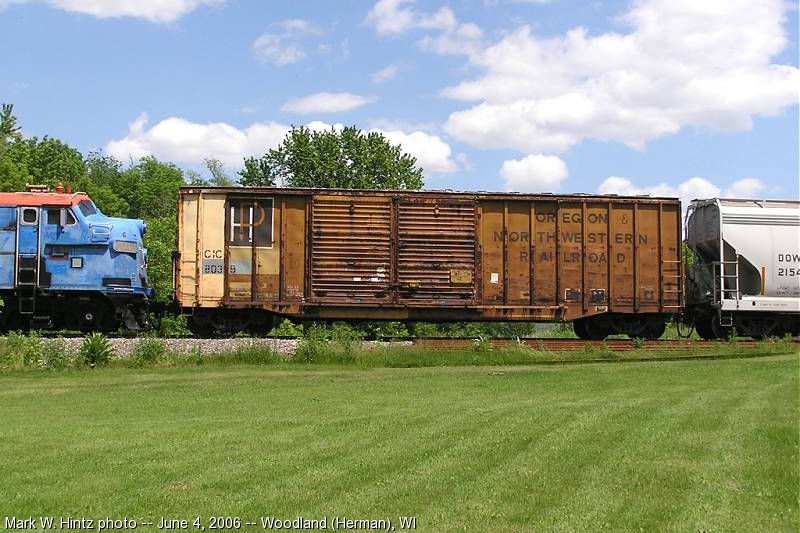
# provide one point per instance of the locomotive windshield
(87, 208)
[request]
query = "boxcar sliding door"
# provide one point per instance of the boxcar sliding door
(250, 248)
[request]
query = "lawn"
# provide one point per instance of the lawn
(667, 446)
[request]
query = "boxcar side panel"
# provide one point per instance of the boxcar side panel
(543, 251)
(570, 255)
(622, 266)
(648, 260)
(211, 243)
(671, 272)
(189, 259)
(293, 250)
(596, 253)
(517, 258)
(492, 245)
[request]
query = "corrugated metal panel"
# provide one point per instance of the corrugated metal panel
(436, 253)
(350, 248)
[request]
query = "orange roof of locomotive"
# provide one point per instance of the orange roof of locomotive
(38, 199)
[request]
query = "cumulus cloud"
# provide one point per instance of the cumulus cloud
(177, 139)
(385, 74)
(687, 190)
(534, 173)
(433, 154)
(683, 63)
(395, 17)
(152, 10)
(326, 103)
(746, 188)
(180, 140)
(285, 44)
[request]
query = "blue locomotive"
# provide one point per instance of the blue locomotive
(66, 265)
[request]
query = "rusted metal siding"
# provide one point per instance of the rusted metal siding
(672, 295)
(350, 248)
(584, 255)
(544, 252)
(293, 248)
(430, 256)
(436, 251)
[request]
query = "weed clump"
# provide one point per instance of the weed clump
(54, 354)
(96, 350)
(148, 351)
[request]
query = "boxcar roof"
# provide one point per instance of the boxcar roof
(41, 199)
(437, 193)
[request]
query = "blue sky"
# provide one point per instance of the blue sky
(673, 97)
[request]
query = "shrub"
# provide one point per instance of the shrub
(196, 356)
(96, 350)
(287, 329)
(346, 338)
(174, 326)
(55, 354)
(312, 346)
(11, 351)
(389, 330)
(254, 353)
(147, 351)
(18, 351)
(481, 345)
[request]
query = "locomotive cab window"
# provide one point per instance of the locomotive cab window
(250, 219)
(30, 215)
(53, 217)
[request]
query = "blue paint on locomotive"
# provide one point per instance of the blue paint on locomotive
(78, 248)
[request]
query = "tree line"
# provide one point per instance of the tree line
(148, 188)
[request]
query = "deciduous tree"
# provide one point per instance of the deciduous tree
(346, 158)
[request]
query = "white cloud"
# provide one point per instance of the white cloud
(177, 139)
(463, 39)
(687, 191)
(152, 10)
(433, 154)
(683, 63)
(534, 173)
(287, 45)
(326, 103)
(745, 188)
(395, 17)
(385, 74)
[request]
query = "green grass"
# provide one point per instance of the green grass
(668, 446)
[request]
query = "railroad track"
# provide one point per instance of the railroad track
(449, 343)
(566, 345)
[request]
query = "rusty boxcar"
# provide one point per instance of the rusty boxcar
(246, 256)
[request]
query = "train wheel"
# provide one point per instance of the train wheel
(703, 328)
(594, 329)
(720, 331)
(654, 329)
(579, 327)
(199, 328)
(597, 328)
